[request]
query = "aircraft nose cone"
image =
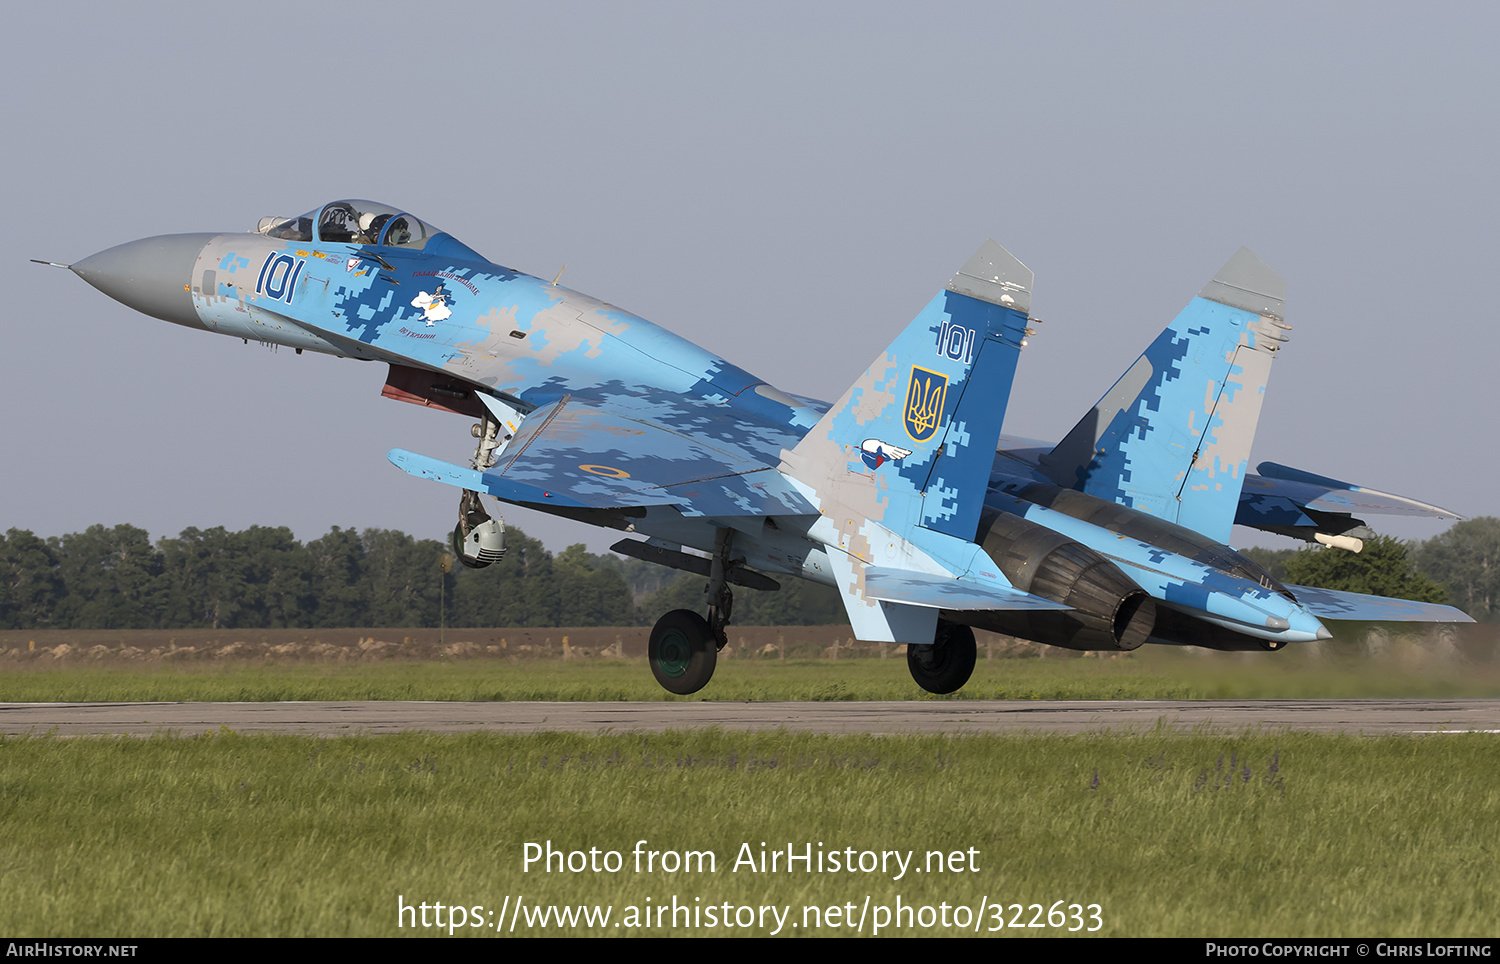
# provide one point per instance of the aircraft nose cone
(151, 275)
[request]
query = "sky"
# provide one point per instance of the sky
(786, 184)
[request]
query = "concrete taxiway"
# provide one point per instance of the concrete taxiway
(977, 716)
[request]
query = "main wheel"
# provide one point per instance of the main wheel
(946, 665)
(682, 652)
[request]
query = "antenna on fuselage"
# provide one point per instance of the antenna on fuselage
(559, 273)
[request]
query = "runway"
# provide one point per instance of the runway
(1372, 717)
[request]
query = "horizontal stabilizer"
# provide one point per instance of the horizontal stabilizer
(936, 591)
(1337, 604)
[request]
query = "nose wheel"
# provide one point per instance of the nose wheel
(478, 539)
(682, 652)
(946, 665)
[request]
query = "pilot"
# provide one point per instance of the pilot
(370, 225)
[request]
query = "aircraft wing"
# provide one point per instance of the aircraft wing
(571, 453)
(1311, 507)
(1276, 497)
(1337, 604)
(1279, 483)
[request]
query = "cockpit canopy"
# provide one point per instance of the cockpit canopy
(353, 221)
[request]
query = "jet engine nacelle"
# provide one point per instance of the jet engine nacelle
(1127, 522)
(1109, 611)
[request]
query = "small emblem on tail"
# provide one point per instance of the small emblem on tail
(876, 453)
(924, 403)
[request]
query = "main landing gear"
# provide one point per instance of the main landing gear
(946, 665)
(684, 646)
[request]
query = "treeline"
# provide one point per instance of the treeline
(262, 577)
(117, 578)
(1460, 567)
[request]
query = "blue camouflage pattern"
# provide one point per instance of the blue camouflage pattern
(614, 420)
(1172, 437)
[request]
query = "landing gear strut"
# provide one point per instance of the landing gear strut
(946, 665)
(479, 540)
(684, 646)
(720, 596)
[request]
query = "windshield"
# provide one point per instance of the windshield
(352, 221)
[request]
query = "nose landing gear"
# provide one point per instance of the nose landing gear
(478, 539)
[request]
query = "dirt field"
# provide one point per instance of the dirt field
(1469, 644)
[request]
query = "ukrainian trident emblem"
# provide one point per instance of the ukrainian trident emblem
(924, 403)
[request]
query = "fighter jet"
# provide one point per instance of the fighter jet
(902, 494)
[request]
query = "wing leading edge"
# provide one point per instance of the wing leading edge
(570, 453)
(1338, 604)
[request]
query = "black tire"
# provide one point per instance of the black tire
(946, 665)
(682, 652)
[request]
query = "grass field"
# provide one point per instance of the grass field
(1199, 835)
(1207, 834)
(1405, 670)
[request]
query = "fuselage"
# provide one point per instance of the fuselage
(377, 284)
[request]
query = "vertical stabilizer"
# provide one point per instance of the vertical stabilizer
(1172, 437)
(910, 445)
